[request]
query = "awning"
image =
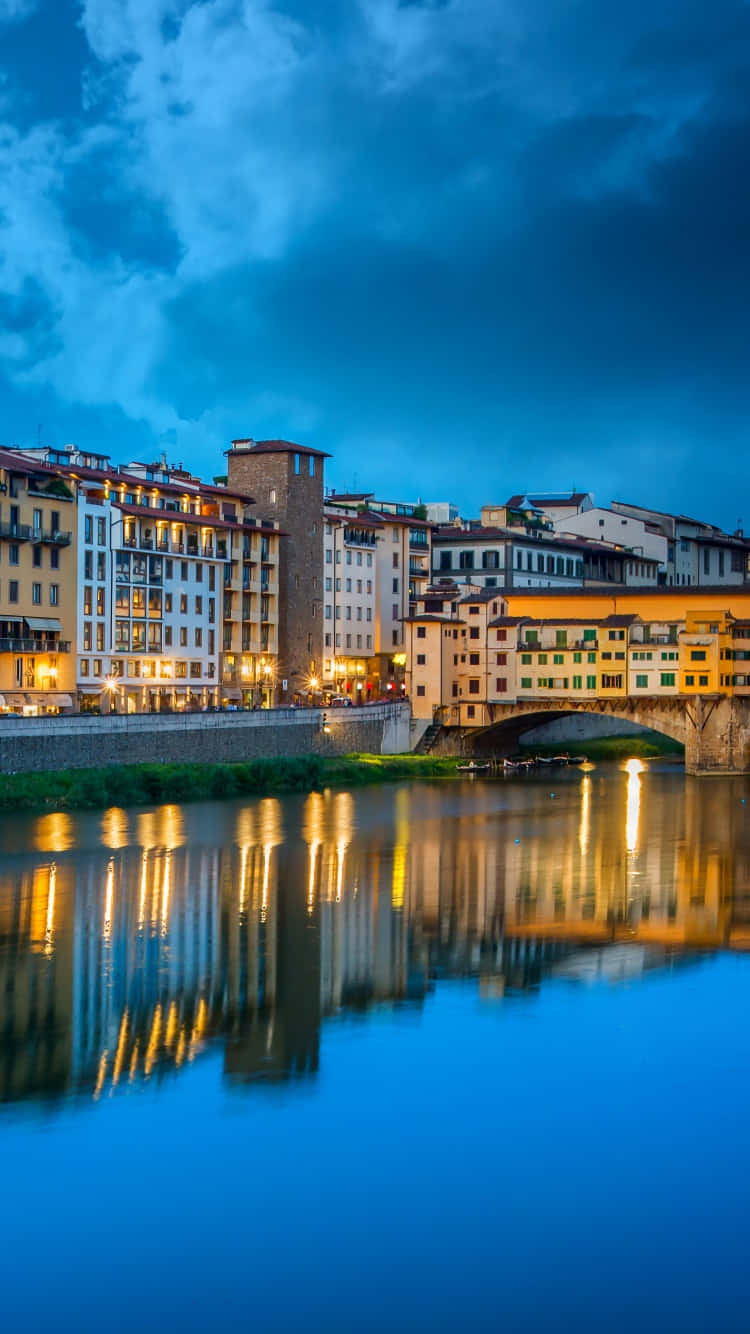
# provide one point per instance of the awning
(43, 623)
(60, 701)
(2, 702)
(16, 701)
(90, 690)
(231, 694)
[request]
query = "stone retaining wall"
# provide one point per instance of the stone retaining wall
(34, 744)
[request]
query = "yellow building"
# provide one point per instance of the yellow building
(37, 588)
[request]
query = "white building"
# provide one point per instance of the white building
(349, 601)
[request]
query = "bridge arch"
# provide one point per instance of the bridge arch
(508, 722)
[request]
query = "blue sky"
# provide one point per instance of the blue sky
(468, 246)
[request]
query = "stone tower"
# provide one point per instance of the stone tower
(287, 483)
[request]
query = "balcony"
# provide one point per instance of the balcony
(26, 645)
(53, 536)
(17, 532)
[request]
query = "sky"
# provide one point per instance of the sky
(469, 247)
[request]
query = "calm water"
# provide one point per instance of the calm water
(445, 1055)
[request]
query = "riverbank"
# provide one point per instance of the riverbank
(614, 748)
(152, 784)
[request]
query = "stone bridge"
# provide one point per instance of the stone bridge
(714, 729)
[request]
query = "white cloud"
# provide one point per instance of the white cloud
(13, 11)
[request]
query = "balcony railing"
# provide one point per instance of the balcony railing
(53, 536)
(26, 645)
(17, 532)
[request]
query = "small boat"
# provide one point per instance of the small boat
(518, 764)
(472, 768)
(544, 759)
(577, 759)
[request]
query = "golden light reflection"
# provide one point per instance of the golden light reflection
(343, 819)
(398, 882)
(50, 923)
(313, 829)
(101, 1074)
(171, 1025)
(114, 831)
(120, 1051)
(109, 898)
(53, 833)
(134, 1061)
(153, 1042)
(199, 1028)
(270, 829)
(165, 892)
(634, 768)
(584, 827)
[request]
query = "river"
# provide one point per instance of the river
(418, 1056)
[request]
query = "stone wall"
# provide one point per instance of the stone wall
(76, 742)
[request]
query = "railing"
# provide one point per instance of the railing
(26, 645)
(53, 536)
(17, 532)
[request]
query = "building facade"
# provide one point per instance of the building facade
(286, 481)
(38, 557)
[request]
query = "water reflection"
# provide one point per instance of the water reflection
(129, 942)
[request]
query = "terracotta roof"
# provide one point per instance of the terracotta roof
(18, 463)
(250, 446)
(507, 620)
(203, 520)
(353, 517)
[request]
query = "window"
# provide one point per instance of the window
(100, 636)
(470, 710)
(474, 632)
(591, 683)
(474, 659)
(88, 529)
(420, 690)
(13, 556)
(395, 560)
(698, 655)
(100, 601)
(526, 683)
(542, 659)
(501, 685)
(271, 501)
(667, 678)
(558, 659)
(421, 659)
(199, 606)
(13, 590)
(101, 532)
(578, 657)
(641, 682)
(446, 560)
(561, 639)
(198, 637)
(395, 584)
(421, 632)
(702, 680)
(54, 595)
(84, 667)
(611, 682)
(689, 680)
(36, 594)
(501, 659)
(591, 657)
(36, 557)
(466, 560)
(96, 667)
(577, 682)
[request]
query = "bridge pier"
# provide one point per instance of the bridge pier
(717, 735)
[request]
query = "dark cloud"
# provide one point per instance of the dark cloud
(527, 264)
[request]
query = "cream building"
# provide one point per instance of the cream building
(37, 588)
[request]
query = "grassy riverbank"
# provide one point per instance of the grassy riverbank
(151, 784)
(613, 748)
